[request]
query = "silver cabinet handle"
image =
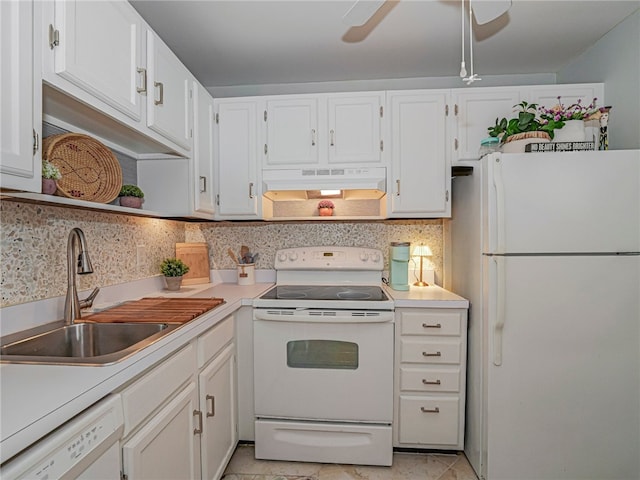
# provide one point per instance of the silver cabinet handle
(198, 430)
(250, 189)
(427, 354)
(430, 382)
(313, 137)
(212, 412)
(426, 325)
(430, 410)
(331, 135)
(161, 87)
(397, 188)
(203, 184)
(143, 88)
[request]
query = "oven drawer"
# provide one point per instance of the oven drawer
(429, 420)
(429, 379)
(430, 351)
(324, 443)
(436, 323)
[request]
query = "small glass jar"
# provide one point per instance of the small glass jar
(489, 145)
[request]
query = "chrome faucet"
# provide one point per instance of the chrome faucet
(77, 263)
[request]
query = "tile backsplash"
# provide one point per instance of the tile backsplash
(33, 244)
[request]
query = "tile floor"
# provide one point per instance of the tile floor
(406, 466)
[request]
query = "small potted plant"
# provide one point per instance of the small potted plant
(173, 269)
(571, 119)
(131, 196)
(50, 173)
(526, 128)
(325, 208)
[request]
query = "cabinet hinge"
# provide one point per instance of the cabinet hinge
(190, 93)
(446, 110)
(382, 145)
(265, 115)
(455, 109)
(123, 476)
(36, 142)
(265, 149)
(446, 196)
(455, 144)
(54, 37)
(218, 199)
(217, 118)
(381, 111)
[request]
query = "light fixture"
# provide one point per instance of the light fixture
(463, 71)
(421, 251)
(327, 193)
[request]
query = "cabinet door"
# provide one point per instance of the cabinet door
(167, 446)
(168, 99)
(420, 177)
(218, 406)
(203, 150)
(353, 125)
(20, 160)
(237, 147)
(474, 112)
(291, 132)
(99, 50)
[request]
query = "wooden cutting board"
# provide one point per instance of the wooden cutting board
(196, 256)
(169, 310)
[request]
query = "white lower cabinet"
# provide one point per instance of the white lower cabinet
(180, 417)
(430, 378)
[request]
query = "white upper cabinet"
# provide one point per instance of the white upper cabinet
(20, 99)
(236, 149)
(354, 126)
(203, 150)
(97, 46)
(342, 129)
(474, 111)
(420, 178)
(291, 132)
(547, 95)
(168, 102)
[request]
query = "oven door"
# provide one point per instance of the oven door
(326, 371)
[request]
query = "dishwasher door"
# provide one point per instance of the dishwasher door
(86, 447)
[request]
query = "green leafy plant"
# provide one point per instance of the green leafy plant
(526, 121)
(49, 170)
(173, 267)
(131, 191)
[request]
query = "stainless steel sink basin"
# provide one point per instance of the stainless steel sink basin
(85, 343)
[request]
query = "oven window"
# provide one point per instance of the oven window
(331, 354)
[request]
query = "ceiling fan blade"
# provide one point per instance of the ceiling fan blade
(361, 11)
(486, 10)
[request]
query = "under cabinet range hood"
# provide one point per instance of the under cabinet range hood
(356, 178)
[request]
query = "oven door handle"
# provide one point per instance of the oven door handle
(323, 316)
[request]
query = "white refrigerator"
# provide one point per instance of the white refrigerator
(546, 247)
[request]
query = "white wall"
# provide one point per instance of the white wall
(386, 84)
(614, 60)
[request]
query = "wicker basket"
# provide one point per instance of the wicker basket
(90, 171)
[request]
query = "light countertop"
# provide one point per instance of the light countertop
(432, 296)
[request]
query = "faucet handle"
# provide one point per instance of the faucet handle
(87, 302)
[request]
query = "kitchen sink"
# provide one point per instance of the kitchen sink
(85, 343)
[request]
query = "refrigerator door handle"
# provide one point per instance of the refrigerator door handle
(499, 186)
(498, 325)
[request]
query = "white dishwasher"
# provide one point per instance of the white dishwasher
(86, 447)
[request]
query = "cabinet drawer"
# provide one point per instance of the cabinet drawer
(212, 341)
(431, 351)
(152, 390)
(430, 323)
(429, 420)
(430, 379)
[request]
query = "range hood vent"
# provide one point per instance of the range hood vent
(357, 178)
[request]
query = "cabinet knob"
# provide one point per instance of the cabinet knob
(203, 184)
(198, 429)
(427, 354)
(430, 382)
(430, 410)
(143, 88)
(426, 325)
(160, 87)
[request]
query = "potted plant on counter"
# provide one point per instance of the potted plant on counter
(173, 269)
(50, 173)
(131, 196)
(325, 208)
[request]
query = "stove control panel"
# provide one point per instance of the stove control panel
(329, 258)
